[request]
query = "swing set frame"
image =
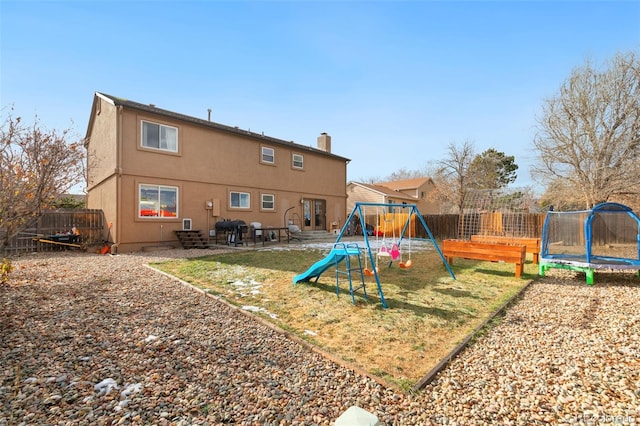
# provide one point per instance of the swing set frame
(390, 208)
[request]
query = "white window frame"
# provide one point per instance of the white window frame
(264, 200)
(300, 160)
(268, 155)
(243, 200)
(157, 203)
(161, 128)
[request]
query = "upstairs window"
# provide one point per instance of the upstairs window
(268, 155)
(159, 136)
(297, 161)
(239, 200)
(157, 201)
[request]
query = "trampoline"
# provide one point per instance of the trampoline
(607, 237)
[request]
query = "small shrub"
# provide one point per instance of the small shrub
(5, 270)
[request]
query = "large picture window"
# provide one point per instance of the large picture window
(157, 201)
(159, 136)
(240, 200)
(268, 202)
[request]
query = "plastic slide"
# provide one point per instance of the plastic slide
(335, 256)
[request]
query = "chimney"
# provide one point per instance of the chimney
(324, 142)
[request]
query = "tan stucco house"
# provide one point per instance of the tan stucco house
(153, 171)
(419, 191)
(358, 192)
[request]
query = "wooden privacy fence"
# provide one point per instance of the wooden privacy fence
(449, 226)
(617, 230)
(442, 226)
(93, 230)
(90, 224)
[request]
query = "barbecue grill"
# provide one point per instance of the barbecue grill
(232, 231)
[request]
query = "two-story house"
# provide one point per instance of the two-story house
(418, 191)
(358, 192)
(422, 190)
(153, 171)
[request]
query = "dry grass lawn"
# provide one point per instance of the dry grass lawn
(428, 312)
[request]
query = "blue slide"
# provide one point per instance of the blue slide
(336, 255)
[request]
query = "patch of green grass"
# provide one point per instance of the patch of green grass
(428, 312)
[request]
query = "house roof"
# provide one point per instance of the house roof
(399, 185)
(387, 192)
(150, 108)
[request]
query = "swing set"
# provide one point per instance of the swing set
(394, 227)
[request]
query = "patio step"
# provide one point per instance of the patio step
(192, 239)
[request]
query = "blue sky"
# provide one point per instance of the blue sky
(393, 82)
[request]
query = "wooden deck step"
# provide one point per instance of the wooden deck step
(192, 239)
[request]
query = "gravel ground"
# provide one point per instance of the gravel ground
(89, 339)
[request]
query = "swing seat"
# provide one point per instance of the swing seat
(369, 272)
(395, 252)
(406, 265)
(384, 252)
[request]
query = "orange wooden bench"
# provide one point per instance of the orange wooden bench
(532, 244)
(485, 251)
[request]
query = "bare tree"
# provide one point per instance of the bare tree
(589, 133)
(370, 179)
(561, 196)
(403, 174)
(36, 166)
(452, 173)
(400, 174)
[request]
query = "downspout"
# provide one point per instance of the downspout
(116, 238)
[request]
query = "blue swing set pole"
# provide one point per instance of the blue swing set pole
(414, 210)
(433, 240)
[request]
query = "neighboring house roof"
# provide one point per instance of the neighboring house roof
(114, 100)
(400, 185)
(384, 191)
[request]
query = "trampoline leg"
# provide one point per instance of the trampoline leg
(541, 270)
(589, 273)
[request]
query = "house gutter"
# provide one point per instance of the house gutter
(116, 238)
